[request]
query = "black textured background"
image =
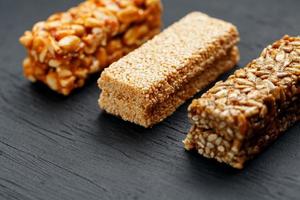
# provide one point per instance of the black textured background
(53, 147)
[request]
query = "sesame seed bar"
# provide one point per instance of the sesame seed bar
(148, 84)
(68, 47)
(236, 119)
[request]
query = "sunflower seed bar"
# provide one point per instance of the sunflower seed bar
(68, 47)
(148, 84)
(238, 118)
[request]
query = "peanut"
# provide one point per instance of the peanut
(70, 43)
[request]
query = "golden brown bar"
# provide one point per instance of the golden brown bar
(69, 46)
(148, 84)
(236, 119)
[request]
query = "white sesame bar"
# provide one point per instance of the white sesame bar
(148, 84)
(238, 118)
(68, 47)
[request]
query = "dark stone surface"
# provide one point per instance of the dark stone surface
(53, 147)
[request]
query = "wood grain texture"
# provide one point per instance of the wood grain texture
(54, 147)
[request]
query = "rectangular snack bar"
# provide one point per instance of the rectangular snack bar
(236, 119)
(148, 84)
(68, 47)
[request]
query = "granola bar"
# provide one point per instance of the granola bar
(236, 119)
(69, 46)
(148, 84)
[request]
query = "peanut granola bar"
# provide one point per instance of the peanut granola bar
(236, 119)
(69, 46)
(148, 84)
